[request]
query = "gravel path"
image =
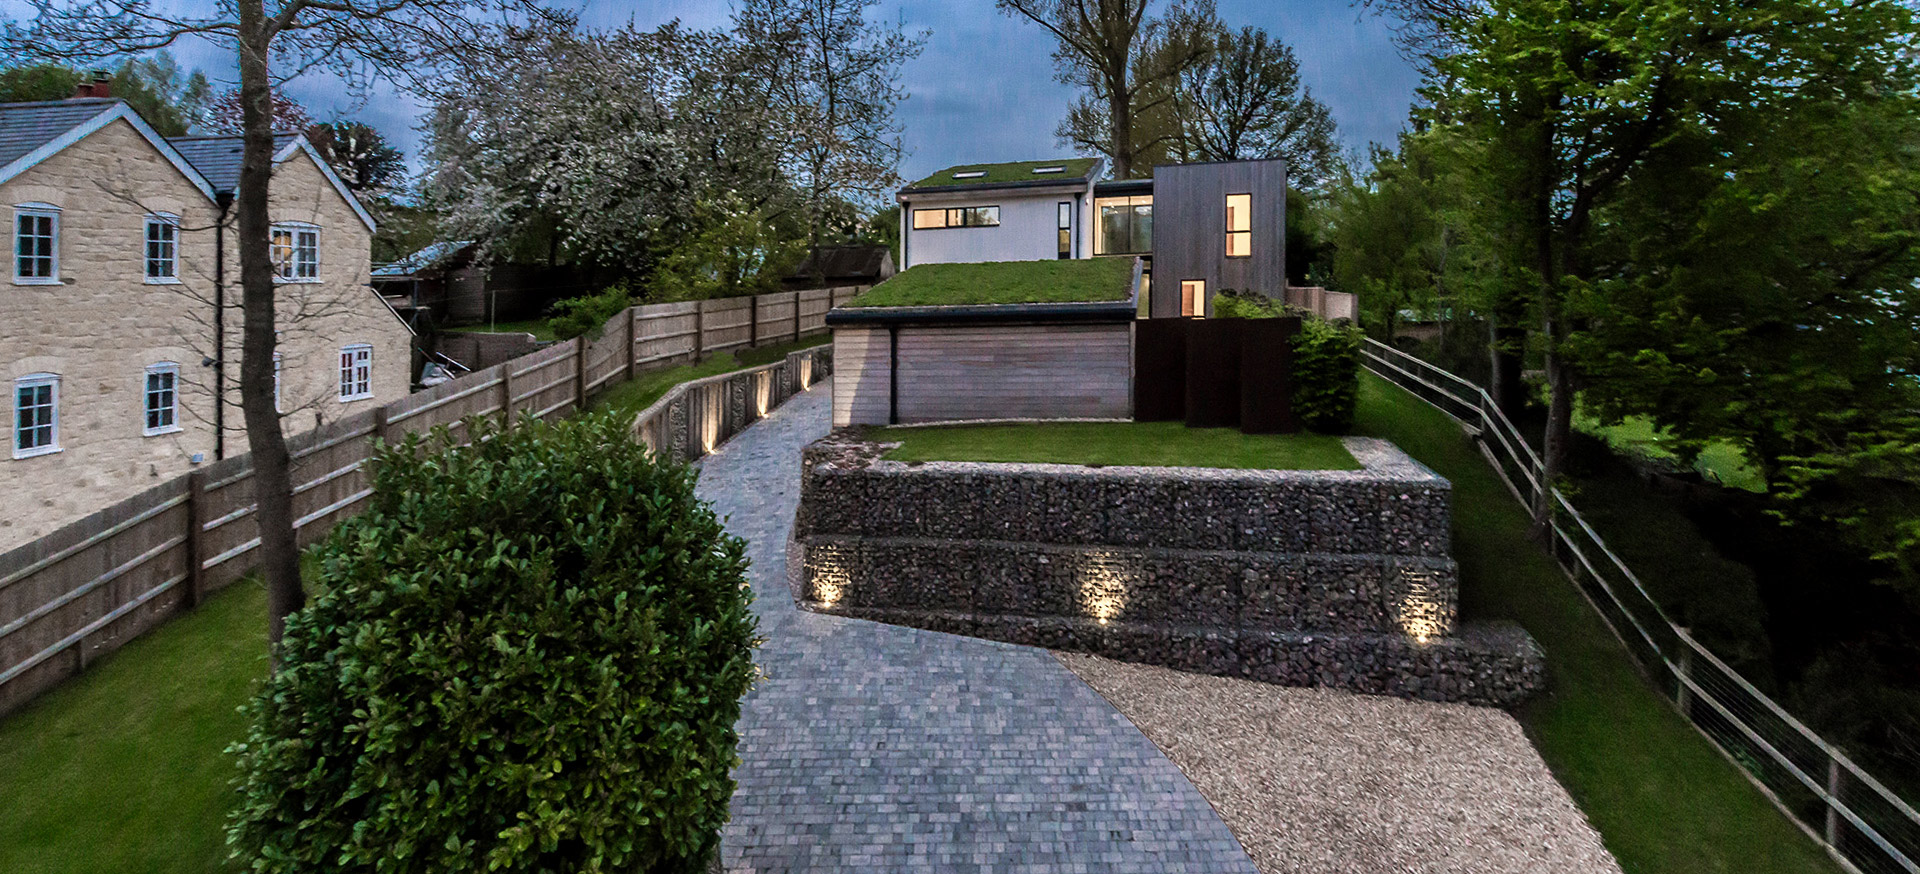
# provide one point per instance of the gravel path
(1314, 780)
(871, 747)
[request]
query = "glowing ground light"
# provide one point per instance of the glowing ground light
(828, 575)
(1104, 577)
(1421, 615)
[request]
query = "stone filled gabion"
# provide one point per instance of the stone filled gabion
(1308, 578)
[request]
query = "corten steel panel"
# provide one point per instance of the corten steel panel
(1266, 375)
(1160, 370)
(1213, 372)
(1190, 223)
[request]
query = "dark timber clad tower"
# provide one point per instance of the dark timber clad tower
(1217, 226)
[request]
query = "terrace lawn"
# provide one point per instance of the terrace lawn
(633, 397)
(1112, 444)
(1004, 282)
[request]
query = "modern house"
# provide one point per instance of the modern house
(1220, 225)
(122, 323)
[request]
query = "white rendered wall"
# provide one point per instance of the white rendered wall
(1028, 229)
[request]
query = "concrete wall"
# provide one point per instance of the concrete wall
(1331, 578)
(1189, 230)
(104, 324)
(1028, 229)
(983, 371)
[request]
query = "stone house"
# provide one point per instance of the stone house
(123, 254)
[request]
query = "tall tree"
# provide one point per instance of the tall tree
(1585, 109)
(355, 38)
(154, 85)
(833, 78)
(362, 157)
(1128, 62)
(1246, 100)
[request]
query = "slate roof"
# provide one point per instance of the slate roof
(218, 157)
(28, 126)
(1011, 174)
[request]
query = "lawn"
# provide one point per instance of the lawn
(632, 397)
(1660, 795)
(1146, 444)
(1004, 282)
(1014, 171)
(123, 768)
(537, 327)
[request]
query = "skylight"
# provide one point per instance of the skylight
(970, 174)
(1053, 169)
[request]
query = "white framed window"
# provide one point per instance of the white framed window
(296, 252)
(36, 244)
(356, 372)
(1064, 220)
(957, 217)
(162, 250)
(36, 415)
(163, 399)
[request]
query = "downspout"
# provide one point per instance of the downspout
(906, 238)
(1079, 222)
(225, 201)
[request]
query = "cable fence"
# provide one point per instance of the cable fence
(1858, 818)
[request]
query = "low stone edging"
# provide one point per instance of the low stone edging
(1319, 578)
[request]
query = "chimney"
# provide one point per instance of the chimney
(101, 86)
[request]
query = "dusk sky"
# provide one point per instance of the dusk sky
(984, 89)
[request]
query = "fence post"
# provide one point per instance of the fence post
(796, 316)
(753, 320)
(1833, 801)
(379, 424)
(699, 329)
(196, 531)
(506, 394)
(580, 373)
(633, 339)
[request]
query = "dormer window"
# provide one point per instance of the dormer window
(36, 244)
(1055, 169)
(970, 174)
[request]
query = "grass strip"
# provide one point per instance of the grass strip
(1146, 444)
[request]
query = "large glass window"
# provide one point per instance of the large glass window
(1239, 225)
(36, 244)
(957, 217)
(36, 415)
(163, 399)
(1193, 297)
(1123, 225)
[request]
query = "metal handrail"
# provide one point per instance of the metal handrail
(1686, 666)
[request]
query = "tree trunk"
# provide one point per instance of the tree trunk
(1503, 338)
(1554, 449)
(272, 467)
(1120, 113)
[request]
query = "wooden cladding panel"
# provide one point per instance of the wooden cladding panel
(860, 361)
(1014, 372)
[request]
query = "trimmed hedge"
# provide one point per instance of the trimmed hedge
(528, 656)
(1326, 360)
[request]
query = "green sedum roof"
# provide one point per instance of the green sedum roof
(1004, 282)
(1016, 171)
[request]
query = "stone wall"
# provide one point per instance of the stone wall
(1333, 578)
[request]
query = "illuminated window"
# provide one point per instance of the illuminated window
(163, 399)
(1065, 224)
(356, 372)
(296, 253)
(1239, 225)
(956, 217)
(1193, 298)
(1123, 225)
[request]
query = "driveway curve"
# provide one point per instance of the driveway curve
(871, 747)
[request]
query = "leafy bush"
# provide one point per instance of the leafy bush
(528, 656)
(1326, 360)
(588, 314)
(1326, 375)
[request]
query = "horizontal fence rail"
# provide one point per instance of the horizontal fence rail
(1860, 821)
(89, 587)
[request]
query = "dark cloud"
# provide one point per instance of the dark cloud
(984, 90)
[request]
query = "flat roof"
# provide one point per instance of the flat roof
(1012, 173)
(1086, 280)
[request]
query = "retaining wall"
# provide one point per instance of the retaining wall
(1328, 578)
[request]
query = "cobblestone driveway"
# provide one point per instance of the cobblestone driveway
(870, 747)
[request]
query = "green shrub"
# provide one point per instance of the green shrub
(1326, 375)
(588, 315)
(528, 656)
(1326, 360)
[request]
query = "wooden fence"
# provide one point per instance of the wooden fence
(88, 588)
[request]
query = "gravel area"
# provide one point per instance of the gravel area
(1315, 780)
